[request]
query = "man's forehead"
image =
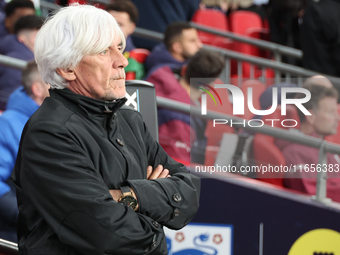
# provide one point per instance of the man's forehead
(117, 41)
(22, 10)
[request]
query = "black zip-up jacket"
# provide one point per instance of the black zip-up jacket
(72, 151)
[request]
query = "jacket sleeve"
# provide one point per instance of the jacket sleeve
(6, 157)
(59, 179)
(172, 201)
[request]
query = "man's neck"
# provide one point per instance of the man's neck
(309, 130)
(178, 57)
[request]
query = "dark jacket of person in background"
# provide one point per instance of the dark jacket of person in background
(320, 37)
(156, 15)
(161, 56)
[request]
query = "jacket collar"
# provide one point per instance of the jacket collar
(83, 104)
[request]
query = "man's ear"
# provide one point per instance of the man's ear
(67, 74)
(177, 47)
(36, 89)
(21, 38)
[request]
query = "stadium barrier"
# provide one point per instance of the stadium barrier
(8, 248)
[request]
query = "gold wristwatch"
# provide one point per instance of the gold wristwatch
(127, 198)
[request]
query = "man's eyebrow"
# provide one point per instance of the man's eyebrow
(120, 44)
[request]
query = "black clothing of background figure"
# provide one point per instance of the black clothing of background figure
(156, 15)
(320, 37)
(283, 18)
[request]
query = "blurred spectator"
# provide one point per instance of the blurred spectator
(249, 5)
(318, 80)
(157, 15)
(22, 103)
(14, 10)
(223, 5)
(284, 17)
(266, 98)
(176, 129)
(323, 121)
(20, 45)
(126, 15)
(233, 5)
(320, 37)
(180, 43)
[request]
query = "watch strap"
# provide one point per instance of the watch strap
(125, 189)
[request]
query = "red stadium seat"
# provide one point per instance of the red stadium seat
(264, 149)
(215, 19)
(258, 88)
(291, 113)
(249, 24)
(140, 56)
(82, 2)
(265, 152)
(214, 134)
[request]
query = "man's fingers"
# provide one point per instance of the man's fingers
(156, 172)
(164, 174)
(148, 172)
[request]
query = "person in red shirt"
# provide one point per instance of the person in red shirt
(323, 121)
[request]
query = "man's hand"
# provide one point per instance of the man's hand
(158, 173)
(116, 194)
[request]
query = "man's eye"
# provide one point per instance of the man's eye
(103, 52)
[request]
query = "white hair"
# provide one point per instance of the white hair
(71, 34)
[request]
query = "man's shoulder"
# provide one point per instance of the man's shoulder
(295, 153)
(129, 113)
(52, 111)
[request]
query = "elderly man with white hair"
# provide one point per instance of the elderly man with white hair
(90, 178)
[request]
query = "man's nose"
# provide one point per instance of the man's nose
(120, 61)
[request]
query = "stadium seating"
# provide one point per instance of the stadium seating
(264, 148)
(140, 56)
(141, 96)
(215, 19)
(214, 134)
(257, 89)
(249, 24)
(265, 152)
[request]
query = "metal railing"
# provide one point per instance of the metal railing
(277, 49)
(290, 71)
(322, 145)
(272, 131)
(8, 248)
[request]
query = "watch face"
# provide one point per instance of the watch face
(129, 201)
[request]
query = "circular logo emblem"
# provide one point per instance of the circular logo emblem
(320, 241)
